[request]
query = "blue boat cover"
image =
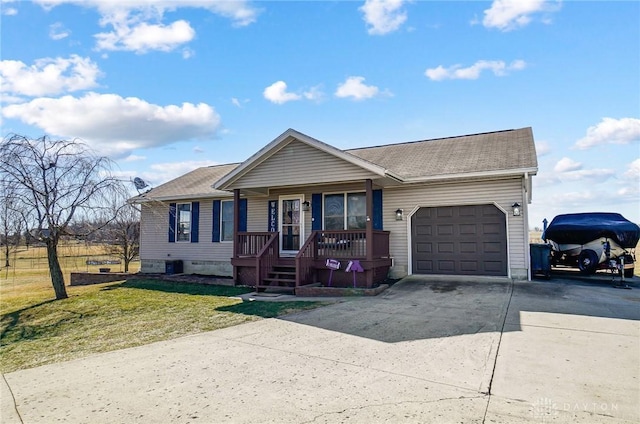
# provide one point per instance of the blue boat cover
(582, 228)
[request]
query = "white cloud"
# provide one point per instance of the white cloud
(162, 172)
(595, 175)
(611, 131)
(355, 88)
(144, 37)
(566, 165)
(57, 31)
(114, 125)
(9, 11)
(277, 93)
(507, 15)
(137, 25)
(134, 158)
(48, 76)
(383, 16)
(314, 93)
(498, 67)
(633, 170)
(542, 148)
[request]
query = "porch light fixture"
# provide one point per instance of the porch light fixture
(399, 214)
(516, 209)
(306, 206)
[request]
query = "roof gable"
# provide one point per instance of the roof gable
(292, 142)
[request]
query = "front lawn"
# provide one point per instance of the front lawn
(36, 330)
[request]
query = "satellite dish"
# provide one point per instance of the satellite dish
(139, 183)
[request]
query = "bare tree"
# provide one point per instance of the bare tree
(56, 181)
(10, 221)
(124, 233)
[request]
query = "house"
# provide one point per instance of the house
(449, 206)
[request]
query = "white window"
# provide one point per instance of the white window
(226, 220)
(183, 222)
(345, 211)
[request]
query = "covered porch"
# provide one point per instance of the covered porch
(355, 260)
(320, 211)
(280, 260)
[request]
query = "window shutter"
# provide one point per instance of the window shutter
(195, 221)
(242, 225)
(215, 236)
(377, 209)
(172, 222)
(316, 211)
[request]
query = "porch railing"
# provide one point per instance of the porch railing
(305, 259)
(267, 258)
(342, 244)
(250, 244)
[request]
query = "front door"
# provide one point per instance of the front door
(291, 219)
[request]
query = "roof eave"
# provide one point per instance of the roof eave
(468, 175)
(140, 199)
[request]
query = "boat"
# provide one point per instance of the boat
(593, 241)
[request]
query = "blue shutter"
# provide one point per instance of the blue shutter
(172, 222)
(195, 221)
(377, 209)
(316, 211)
(242, 225)
(215, 236)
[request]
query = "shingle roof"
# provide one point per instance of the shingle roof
(494, 152)
(195, 184)
(477, 153)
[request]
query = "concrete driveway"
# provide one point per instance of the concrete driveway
(423, 351)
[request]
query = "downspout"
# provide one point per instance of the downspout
(236, 227)
(526, 199)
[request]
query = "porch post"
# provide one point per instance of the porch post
(369, 229)
(236, 225)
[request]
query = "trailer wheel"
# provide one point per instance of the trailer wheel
(588, 261)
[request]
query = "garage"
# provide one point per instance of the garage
(459, 240)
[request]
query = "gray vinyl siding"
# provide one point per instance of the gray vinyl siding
(154, 242)
(299, 163)
(503, 193)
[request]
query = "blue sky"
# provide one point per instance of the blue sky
(165, 87)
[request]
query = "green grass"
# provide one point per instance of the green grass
(37, 330)
(112, 316)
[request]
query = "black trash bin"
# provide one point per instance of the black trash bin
(173, 267)
(540, 260)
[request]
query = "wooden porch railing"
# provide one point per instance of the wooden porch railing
(267, 258)
(250, 244)
(305, 259)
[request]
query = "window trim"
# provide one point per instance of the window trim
(177, 225)
(345, 215)
(222, 202)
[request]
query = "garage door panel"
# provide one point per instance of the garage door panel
(463, 240)
(446, 266)
(445, 247)
(468, 229)
(469, 266)
(426, 265)
(445, 230)
(492, 247)
(468, 247)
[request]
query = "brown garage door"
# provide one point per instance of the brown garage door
(459, 240)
